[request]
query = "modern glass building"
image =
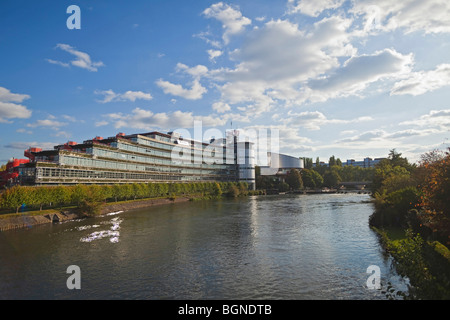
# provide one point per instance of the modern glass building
(280, 164)
(145, 157)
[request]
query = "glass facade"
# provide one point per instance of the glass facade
(135, 158)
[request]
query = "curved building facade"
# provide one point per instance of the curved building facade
(280, 164)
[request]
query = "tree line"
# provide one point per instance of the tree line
(89, 197)
(315, 177)
(414, 196)
(414, 200)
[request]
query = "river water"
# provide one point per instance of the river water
(261, 247)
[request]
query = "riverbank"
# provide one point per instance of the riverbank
(425, 263)
(31, 219)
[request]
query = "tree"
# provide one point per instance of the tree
(16, 197)
(308, 163)
(332, 161)
(78, 194)
(338, 162)
(395, 159)
(435, 199)
(216, 189)
(318, 179)
(60, 195)
(331, 178)
(294, 180)
(42, 196)
(307, 178)
(317, 162)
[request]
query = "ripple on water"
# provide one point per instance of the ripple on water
(113, 233)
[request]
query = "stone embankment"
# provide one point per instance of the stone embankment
(28, 221)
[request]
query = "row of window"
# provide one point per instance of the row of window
(210, 155)
(98, 163)
(196, 162)
(45, 173)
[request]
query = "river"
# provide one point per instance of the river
(260, 247)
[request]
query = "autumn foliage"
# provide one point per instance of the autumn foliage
(416, 196)
(435, 199)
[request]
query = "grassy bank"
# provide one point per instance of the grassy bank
(88, 198)
(28, 206)
(425, 263)
(412, 217)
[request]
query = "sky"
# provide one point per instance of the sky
(352, 79)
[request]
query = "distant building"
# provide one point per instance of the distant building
(366, 163)
(279, 165)
(142, 158)
(10, 176)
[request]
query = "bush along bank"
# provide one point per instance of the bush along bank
(412, 218)
(89, 199)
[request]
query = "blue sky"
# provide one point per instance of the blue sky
(352, 79)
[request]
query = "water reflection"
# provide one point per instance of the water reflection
(274, 247)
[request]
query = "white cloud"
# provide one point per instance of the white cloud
(387, 137)
(422, 82)
(50, 123)
(111, 96)
(312, 8)
(83, 60)
(221, 107)
(195, 92)
(101, 123)
(314, 120)
(23, 130)
(207, 37)
(358, 72)
(7, 96)
(277, 61)
(59, 63)
(437, 119)
(197, 72)
(9, 107)
(71, 118)
(290, 141)
(233, 22)
(429, 16)
(148, 120)
(33, 144)
(213, 54)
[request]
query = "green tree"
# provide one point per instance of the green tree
(308, 163)
(116, 192)
(307, 178)
(15, 197)
(42, 196)
(331, 178)
(294, 180)
(395, 159)
(332, 161)
(59, 195)
(317, 177)
(78, 194)
(216, 190)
